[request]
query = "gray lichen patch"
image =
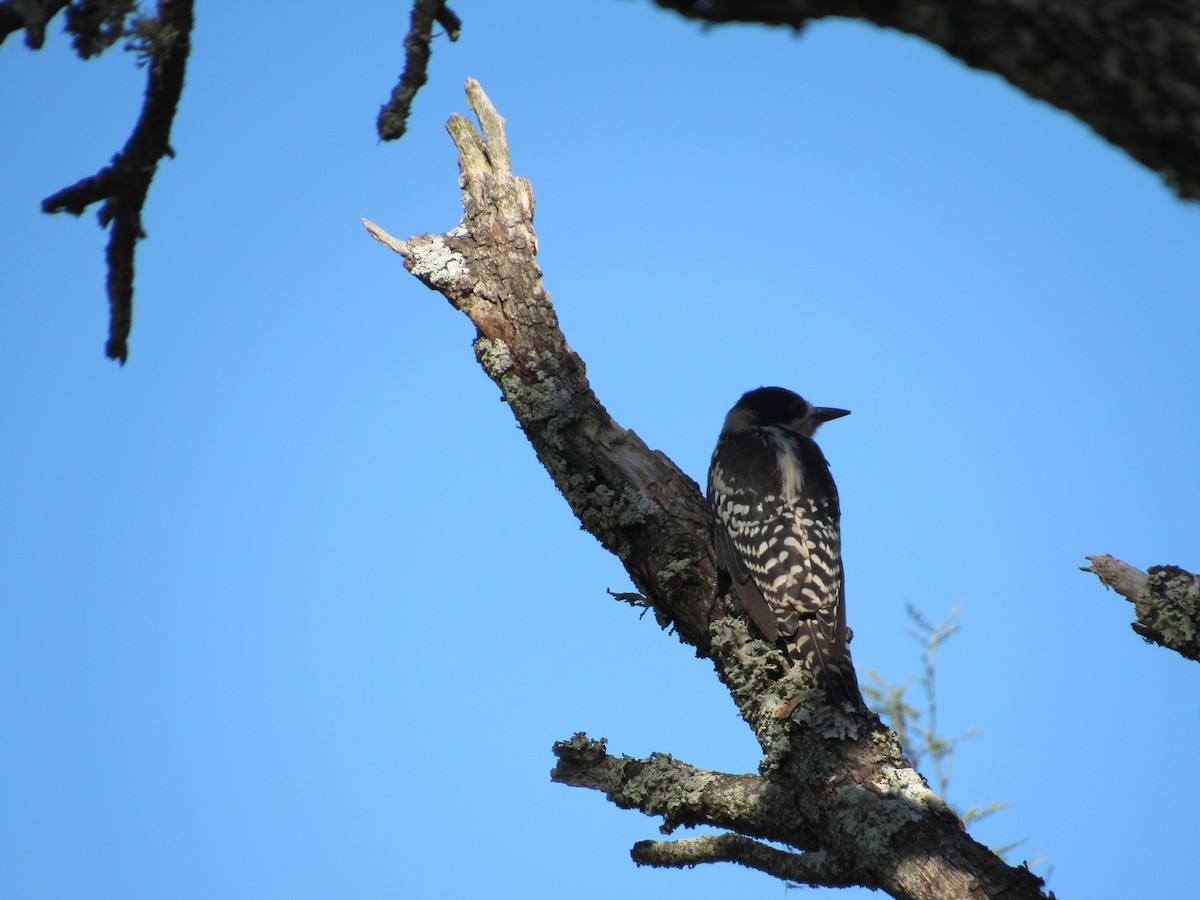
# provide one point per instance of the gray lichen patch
(776, 701)
(606, 513)
(876, 813)
(495, 357)
(744, 664)
(545, 401)
(743, 661)
(669, 789)
(873, 820)
(539, 400)
(435, 263)
(630, 507)
(906, 782)
(1170, 605)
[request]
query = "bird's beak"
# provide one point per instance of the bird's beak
(825, 413)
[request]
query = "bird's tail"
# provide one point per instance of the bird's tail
(828, 661)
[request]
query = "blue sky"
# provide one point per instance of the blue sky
(289, 609)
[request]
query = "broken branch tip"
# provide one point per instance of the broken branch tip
(384, 238)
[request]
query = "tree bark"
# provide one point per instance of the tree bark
(833, 786)
(1167, 600)
(1128, 69)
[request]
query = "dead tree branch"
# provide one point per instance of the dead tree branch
(393, 117)
(1167, 600)
(1129, 70)
(124, 183)
(663, 786)
(833, 786)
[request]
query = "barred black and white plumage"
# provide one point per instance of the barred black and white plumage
(777, 532)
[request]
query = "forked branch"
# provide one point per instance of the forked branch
(122, 185)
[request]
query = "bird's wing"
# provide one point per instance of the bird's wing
(730, 559)
(812, 609)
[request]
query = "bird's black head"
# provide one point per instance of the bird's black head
(780, 407)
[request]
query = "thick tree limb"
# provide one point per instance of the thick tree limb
(1167, 600)
(1128, 69)
(124, 183)
(833, 785)
(393, 117)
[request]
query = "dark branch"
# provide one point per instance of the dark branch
(1128, 70)
(98, 24)
(1167, 600)
(448, 20)
(393, 117)
(124, 183)
(32, 15)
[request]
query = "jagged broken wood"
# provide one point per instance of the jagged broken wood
(833, 787)
(1167, 600)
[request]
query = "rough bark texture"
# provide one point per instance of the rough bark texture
(835, 787)
(1167, 600)
(1127, 68)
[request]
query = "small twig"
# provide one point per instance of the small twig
(940, 749)
(393, 117)
(634, 599)
(124, 183)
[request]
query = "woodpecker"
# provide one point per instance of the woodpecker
(777, 532)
